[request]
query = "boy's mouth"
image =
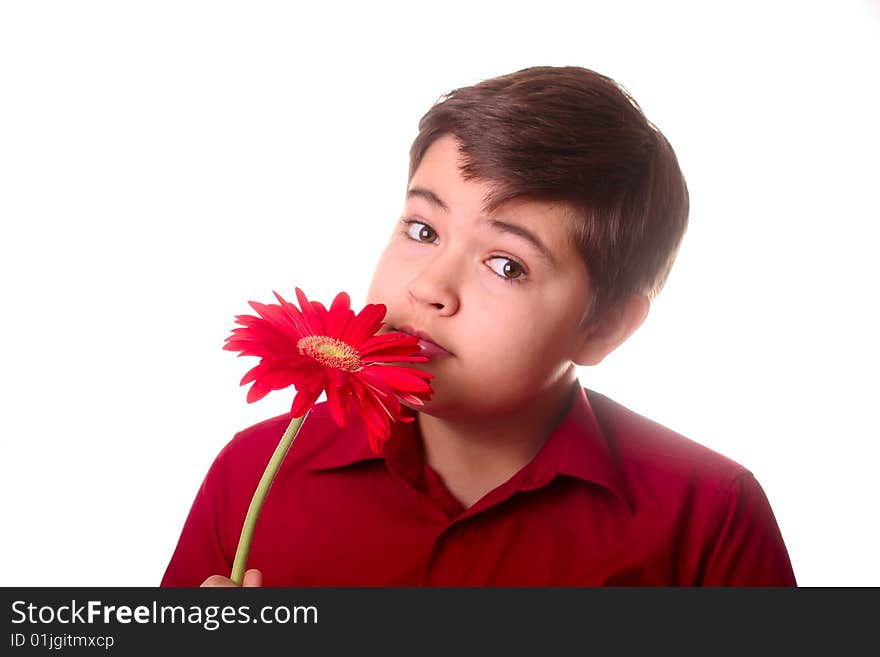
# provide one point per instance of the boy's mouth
(428, 345)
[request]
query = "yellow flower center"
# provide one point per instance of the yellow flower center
(331, 352)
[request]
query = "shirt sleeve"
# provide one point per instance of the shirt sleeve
(746, 547)
(199, 552)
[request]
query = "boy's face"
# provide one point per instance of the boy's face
(502, 293)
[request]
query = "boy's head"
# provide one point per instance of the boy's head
(543, 212)
(570, 134)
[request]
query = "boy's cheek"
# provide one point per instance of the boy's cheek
(388, 285)
(383, 296)
(378, 292)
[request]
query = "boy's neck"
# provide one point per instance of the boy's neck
(474, 456)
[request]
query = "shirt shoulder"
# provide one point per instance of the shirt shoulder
(646, 451)
(723, 523)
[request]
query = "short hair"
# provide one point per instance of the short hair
(570, 134)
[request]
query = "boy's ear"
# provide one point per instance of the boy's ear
(608, 332)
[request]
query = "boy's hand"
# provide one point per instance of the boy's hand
(252, 577)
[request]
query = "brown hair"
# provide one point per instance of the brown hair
(572, 135)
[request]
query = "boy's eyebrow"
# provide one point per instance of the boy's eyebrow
(428, 195)
(526, 234)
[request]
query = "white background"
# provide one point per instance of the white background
(161, 163)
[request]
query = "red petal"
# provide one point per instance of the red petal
(380, 393)
(278, 375)
(410, 399)
(377, 443)
(251, 375)
(356, 387)
(402, 378)
(376, 423)
(278, 316)
(314, 320)
(395, 359)
(339, 316)
(256, 392)
(294, 314)
(389, 341)
(303, 401)
(337, 403)
(364, 324)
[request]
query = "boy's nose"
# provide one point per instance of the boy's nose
(435, 286)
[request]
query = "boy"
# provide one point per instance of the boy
(543, 213)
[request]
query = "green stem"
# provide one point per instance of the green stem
(250, 520)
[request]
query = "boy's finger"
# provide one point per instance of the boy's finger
(219, 580)
(252, 577)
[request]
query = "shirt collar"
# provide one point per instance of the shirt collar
(578, 447)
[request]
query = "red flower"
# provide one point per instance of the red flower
(334, 351)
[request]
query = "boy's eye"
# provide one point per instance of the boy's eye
(507, 268)
(421, 232)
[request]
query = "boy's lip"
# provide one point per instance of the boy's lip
(428, 345)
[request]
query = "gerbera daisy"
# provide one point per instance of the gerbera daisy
(333, 351)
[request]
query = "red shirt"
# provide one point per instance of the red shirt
(612, 498)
